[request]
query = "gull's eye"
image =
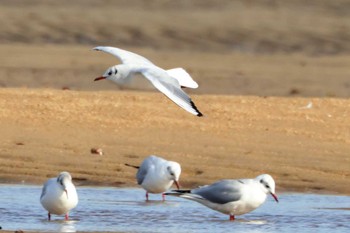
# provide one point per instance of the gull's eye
(266, 185)
(110, 73)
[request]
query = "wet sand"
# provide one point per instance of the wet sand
(45, 131)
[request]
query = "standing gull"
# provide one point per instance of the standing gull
(59, 195)
(169, 82)
(232, 197)
(156, 175)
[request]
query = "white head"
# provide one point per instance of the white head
(174, 172)
(267, 184)
(114, 73)
(63, 179)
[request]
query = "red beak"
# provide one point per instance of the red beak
(274, 196)
(177, 184)
(99, 78)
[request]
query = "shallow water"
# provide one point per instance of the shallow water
(125, 210)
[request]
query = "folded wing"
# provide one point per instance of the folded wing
(220, 192)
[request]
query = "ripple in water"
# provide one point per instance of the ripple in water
(125, 210)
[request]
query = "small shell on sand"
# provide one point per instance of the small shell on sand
(96, 151)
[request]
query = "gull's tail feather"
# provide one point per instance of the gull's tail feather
(129, 165)
(184, 78)
(177, 192)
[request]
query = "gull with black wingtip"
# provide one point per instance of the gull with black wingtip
(157, 175)
(232, 197)
(59, 195)
(169, 82)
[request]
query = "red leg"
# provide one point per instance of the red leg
(49, 216)
(146, 196)
(232, 217)
(163, 196)
(66, 217)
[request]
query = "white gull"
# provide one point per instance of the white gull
(232, 197)
(169, 82)
(59, 195)
(157, 175)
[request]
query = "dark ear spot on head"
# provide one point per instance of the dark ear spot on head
(116, 71)
(59, 180)
(170, 171)
(261, 181)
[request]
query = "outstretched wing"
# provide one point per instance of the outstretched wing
(220, 192)
(171, 88)
(124, 56)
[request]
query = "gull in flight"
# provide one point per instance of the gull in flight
(59, 195)
(156, 175)
(169, 82)
(232, 197)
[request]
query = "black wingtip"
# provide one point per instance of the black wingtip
(199, 114)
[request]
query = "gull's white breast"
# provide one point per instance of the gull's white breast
(55, 200)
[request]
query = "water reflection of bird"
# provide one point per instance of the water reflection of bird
(232, 197)
(156, 175)
(59, 195)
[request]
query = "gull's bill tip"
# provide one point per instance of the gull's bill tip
(274, 196)
(99, 78)
(177, 184)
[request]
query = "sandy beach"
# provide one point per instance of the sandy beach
(274, 92)
(304, 149)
